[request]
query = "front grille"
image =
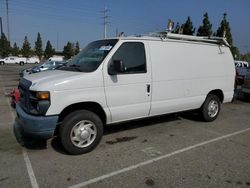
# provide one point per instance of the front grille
(24, 86)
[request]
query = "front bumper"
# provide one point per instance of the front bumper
(39, 127)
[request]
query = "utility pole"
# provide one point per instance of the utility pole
(1, 26)
(57, 40)
(105, 21)
(7, 11)
(116, 32)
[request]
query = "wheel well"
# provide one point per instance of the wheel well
(91, 106)
(218, 93)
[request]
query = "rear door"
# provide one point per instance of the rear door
(128, 94)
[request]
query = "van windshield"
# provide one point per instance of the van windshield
(89, 59)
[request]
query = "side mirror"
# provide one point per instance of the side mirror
(116, 66)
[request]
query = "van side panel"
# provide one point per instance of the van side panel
(183, 73)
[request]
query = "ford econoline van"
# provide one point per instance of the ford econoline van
(121, 79)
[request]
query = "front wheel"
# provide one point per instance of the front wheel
(210, 108)
(80, 132)
(21, 63)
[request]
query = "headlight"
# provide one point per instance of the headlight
(39, 102)
(43, 95)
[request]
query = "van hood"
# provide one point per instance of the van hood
(56, 80)
(49, 75)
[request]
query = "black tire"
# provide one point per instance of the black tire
(2, 63)
(70, 123)
(210, 115)
(21, 63)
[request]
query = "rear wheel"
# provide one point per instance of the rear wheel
(21, 63)
(80, 132)
(2, 63)
(210, 108)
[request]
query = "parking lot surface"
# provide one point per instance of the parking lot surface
(176, 150)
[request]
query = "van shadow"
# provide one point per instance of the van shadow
(134, 124)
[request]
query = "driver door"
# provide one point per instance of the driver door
(128, 93)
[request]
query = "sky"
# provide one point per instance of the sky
(61, 21)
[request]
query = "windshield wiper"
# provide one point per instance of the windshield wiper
(76, 67)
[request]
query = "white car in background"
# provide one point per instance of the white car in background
(1, 61)
(10, 60)
(56, 58)
(19, 60)
(13, 60)
(33, 60)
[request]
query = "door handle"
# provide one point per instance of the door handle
(148, 88)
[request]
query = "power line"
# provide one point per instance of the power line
(44, 8)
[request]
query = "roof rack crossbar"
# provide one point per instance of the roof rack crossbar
(213, 40)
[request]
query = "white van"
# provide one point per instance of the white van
(121, 79)
(33, 60)
(56, 58)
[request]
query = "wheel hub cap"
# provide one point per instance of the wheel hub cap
(83, 133)
(213, 108)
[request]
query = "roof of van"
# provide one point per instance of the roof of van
(162, 36)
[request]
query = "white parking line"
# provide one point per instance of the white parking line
(30, 169)
(94, 180)
(24, 152)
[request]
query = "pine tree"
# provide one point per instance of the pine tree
(26, 49)
(49, 50)
(77, 48)
(177, 28)
(225, 27)
(188, 28)
(15, 50)
(206, 28)
(39, 46)
(68, 50)
(5, 47)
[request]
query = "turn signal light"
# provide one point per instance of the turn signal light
(43, 95)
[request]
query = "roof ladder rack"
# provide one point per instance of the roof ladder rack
(213, 40)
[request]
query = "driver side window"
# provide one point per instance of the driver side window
(132, 54)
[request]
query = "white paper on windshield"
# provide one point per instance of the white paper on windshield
(107, 48)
